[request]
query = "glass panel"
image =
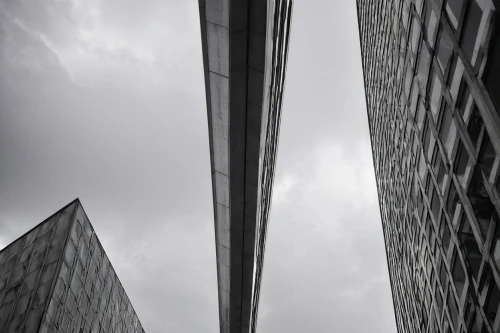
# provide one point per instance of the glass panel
(454, 9)
(415, 34)
(452, 307)
(452, 201)
(435, 205)
(446, 238)
(408, 80)
(423, 66)
(493, 301)
(461, 164)
(487, 155)
(444, 50)
(448, 132)
(435, 98)
(431, 23)
(458, 275)
(456, 77)
(475, 126)
(480, 202)
(470, 29)
(492, 69)
(468, 241)
(420, 116)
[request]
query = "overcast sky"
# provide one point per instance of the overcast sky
(104, 100)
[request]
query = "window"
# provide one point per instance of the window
(435, 97)
(414, 98)
(452, 307)
(480, 202)
(446, 238)
(422, 166)
(431, 23)
(469, 243)
(448, 132)
(496, 241)
(415, 34)
(493, 301)
(464, 100)
(444, 50)
(429, 141)
(408, 79)
(461, 163)
(435, 205)
(475, 126)
(492, 69)
(443, 275)
(455, 76)
(454, 9)
(471, 29)
(439, 300)
(452, 201)
(487, 155)
(441, 175)
(458, 275)
(419, 120)
(423, 66)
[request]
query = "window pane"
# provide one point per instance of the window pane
(492, 69)
(487, 155)
(493, 302)
(448, 132)
(471, 28)
(408, 80)
(458, 275)
(456, 75)
(461, 163)
(475, 126)
(431, 23)
(423, 66)
(445, 50)
(415, 34)
(435, 98)
(420, 116)
(480, 202)
(454, 9)
(466, 237)
(452, 307)
(464, 100)
(435, 205)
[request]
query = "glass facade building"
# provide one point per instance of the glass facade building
(57, 278)
(432, 82)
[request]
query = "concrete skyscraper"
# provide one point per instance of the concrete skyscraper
(432, 73)
(245, 45)
(57, 279)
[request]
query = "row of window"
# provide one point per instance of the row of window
(427, 120)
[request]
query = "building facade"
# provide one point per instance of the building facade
(432, 83)
(245, 47)
(57, 279)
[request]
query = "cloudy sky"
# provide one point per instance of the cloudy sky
(104, 100)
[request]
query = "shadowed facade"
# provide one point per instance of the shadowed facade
(245, 46)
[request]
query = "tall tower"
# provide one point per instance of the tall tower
(245, 46)
(57, 279)
(432, 83)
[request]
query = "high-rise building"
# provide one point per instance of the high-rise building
(245, 47)
(432, 83)
(57, 279)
